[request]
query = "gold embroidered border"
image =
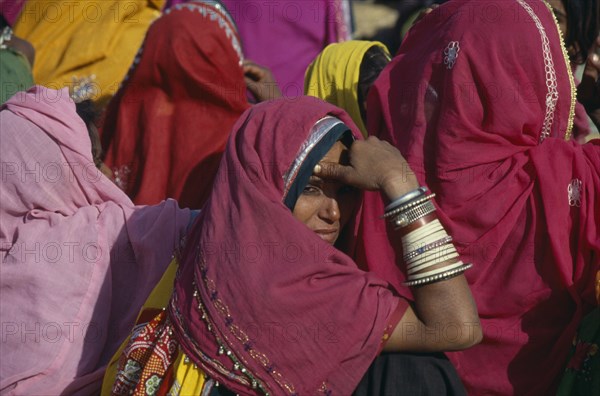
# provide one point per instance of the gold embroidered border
(563, 47)
(236, 331)
(551, 83)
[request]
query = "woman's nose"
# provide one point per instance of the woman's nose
(330, 210)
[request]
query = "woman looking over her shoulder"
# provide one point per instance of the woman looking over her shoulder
(261, 258)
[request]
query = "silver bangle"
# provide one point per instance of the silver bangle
(405, 198)
(407, 206)
(439, 277)
(414, 214)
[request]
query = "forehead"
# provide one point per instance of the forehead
(335, 153)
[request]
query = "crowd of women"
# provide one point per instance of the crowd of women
(218, 198)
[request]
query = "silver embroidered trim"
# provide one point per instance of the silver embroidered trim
(574, 191)
(319, 130)
(551, 84)
(203, 9)
(207, 9)
(451, 54)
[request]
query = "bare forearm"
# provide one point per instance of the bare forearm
(448, 311)
(444, 316)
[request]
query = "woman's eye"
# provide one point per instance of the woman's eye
(311, 190)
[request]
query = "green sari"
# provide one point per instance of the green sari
(15, 73)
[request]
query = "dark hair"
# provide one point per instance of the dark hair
(3, 22)
(583, 26)
(374, 61)
(89, 114)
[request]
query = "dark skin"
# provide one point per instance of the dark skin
(260, 82)
(325, 206)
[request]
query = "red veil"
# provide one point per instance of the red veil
(480, 100)
(167, 127)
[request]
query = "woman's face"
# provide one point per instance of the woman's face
(325, 206)
(561, 14)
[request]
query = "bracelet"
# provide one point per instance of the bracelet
(422, 232)
(439, 277)
(407, 206)
(414, 214)
(429, 246)
(422, 222)
(406, 197)
(435, 254)
(430, 263)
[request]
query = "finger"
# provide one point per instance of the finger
(254, 72)
(252, 85)
(248, 62)
(332, 170)
(250, 75)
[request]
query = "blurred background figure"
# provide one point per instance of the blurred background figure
(343, 73)
(287, 35)
(166, 129)
(16, 60)
(85, 38)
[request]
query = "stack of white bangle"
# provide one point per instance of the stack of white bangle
(427, 247)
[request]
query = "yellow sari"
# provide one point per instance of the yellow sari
(81, 39)
(333, 76)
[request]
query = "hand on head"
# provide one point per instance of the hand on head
(373, 164)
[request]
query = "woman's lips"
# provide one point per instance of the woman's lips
(328, 235)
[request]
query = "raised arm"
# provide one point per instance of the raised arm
(443, 316)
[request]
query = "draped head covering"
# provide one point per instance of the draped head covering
(480, 100)
(334, 76)
(167, 127)
(78, 258)
(258, 286)
(79, 40)
(10, 10)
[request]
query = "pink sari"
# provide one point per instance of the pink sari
(78, 258)
(482, 110)
(261, 301)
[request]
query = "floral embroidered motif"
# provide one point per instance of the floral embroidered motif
(152, 385)
(121, 176)
(574, 190)
(132, 370)
(451, 54)
(151, 350)
(84, 88)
